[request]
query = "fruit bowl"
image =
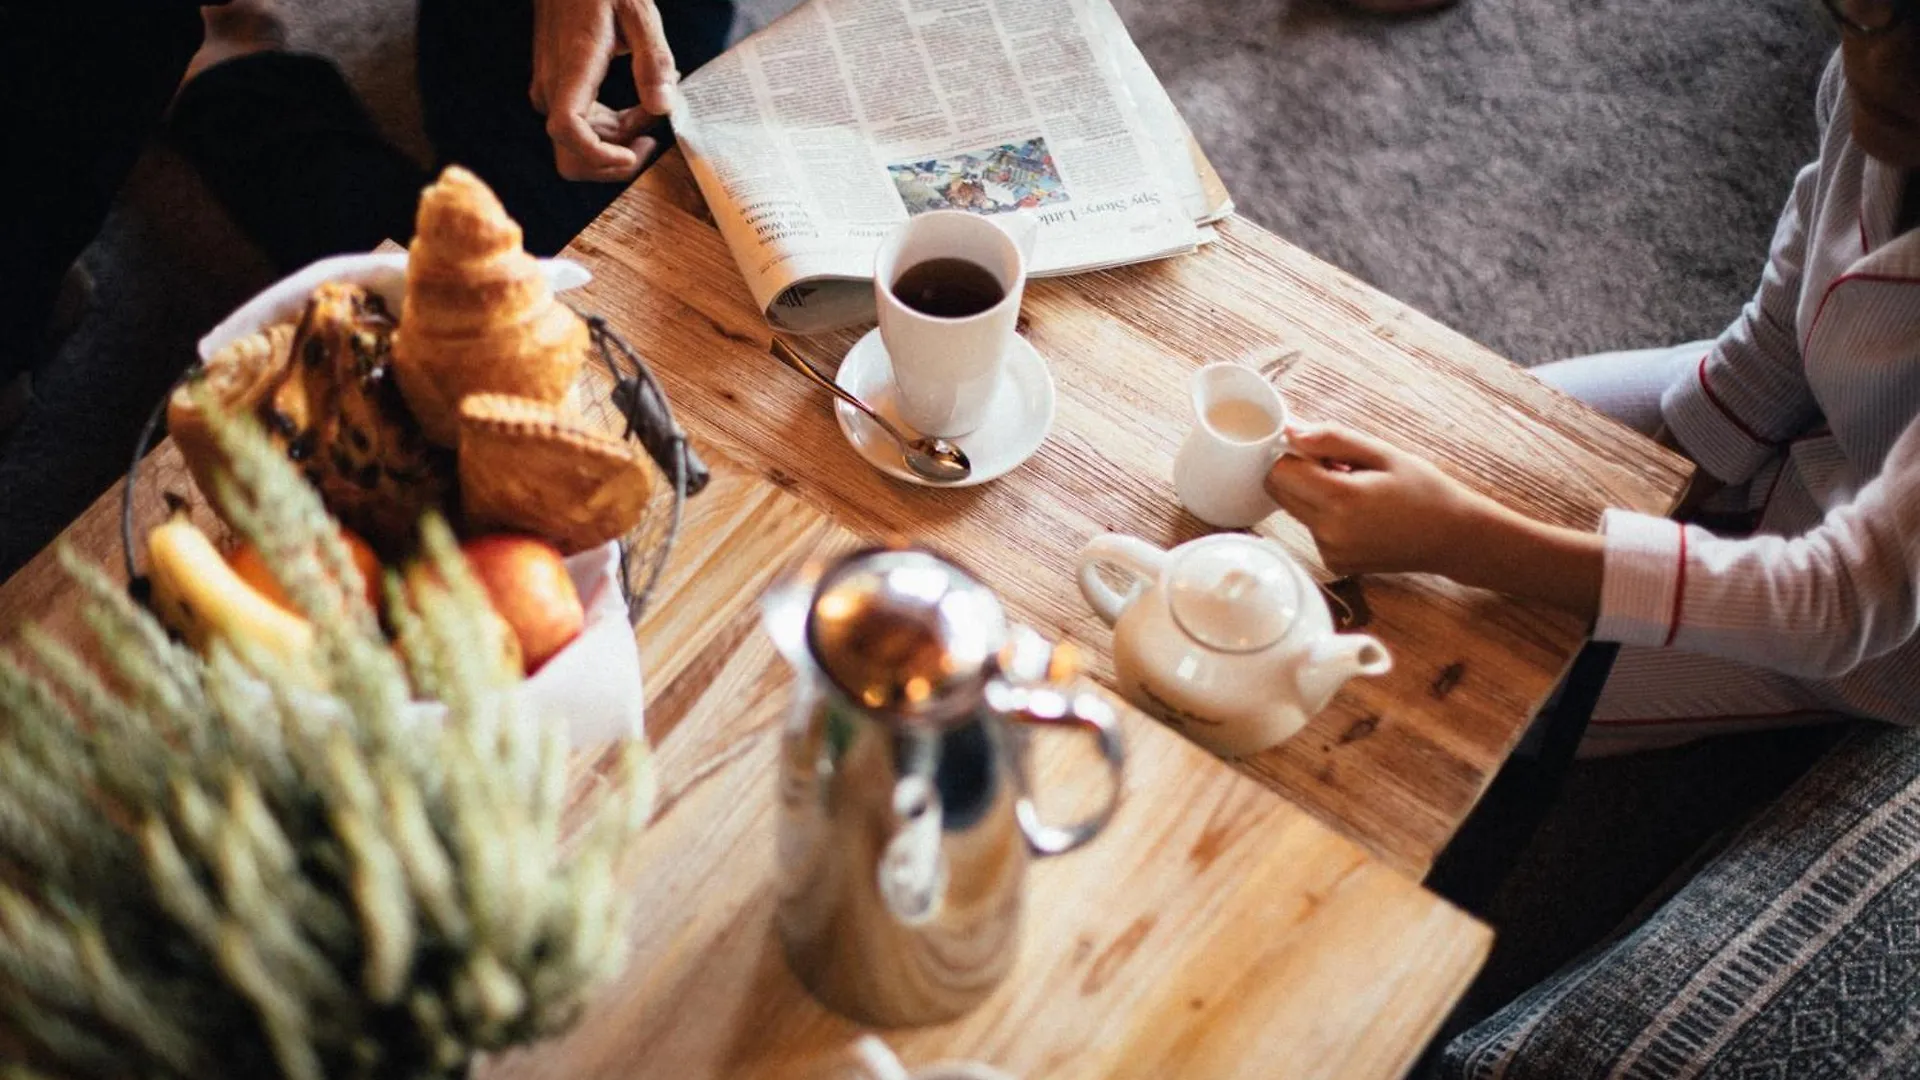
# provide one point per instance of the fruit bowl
(593, 682)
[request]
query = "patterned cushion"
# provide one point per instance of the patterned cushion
(1795, 953)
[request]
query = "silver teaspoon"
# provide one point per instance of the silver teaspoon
(935, 460)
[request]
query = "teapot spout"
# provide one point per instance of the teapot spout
(1334, 660)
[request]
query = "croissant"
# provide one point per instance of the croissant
(478, 316)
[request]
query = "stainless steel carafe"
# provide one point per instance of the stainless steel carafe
(905, 817)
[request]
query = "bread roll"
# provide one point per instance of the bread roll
(529, 467)
(238, 379)
(323, 390)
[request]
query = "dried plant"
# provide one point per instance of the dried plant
(209, 869)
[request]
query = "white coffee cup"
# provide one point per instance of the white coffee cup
(945, 369)
(1238, 433)
(871, 1059)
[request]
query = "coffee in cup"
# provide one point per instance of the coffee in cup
(948, 286)
(1240, 421)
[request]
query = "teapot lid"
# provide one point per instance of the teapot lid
(905, 632)
(1233, 593)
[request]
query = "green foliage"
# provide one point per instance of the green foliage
(208, 869)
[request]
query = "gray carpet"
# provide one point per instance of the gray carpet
(1549, 176)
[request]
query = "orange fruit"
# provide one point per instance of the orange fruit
(247, 563)
(527, 581)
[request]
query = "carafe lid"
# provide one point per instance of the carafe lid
(1233, 593)
(904, 632)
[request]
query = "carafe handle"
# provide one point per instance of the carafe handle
(1045, 706)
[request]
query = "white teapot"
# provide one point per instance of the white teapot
(1225, 638)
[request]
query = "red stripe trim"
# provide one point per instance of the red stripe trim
(1779, 474)
(1885, 279)
(1786, 463)
(1655, 721)
(1767, 503)
(1714, 399)
(1679, 592)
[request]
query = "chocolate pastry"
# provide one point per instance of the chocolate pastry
(346, 424)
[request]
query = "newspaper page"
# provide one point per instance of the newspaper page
(1166, 130)
(815, 138)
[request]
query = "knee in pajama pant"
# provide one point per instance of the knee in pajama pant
(1625, 385)
(1661, 697)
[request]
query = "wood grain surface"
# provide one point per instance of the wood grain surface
(1395, 762)
(1214, 931)
(41, 591)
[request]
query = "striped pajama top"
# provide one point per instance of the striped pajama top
(1812, 400)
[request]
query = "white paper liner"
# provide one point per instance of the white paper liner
(592, 685)
(386, 274)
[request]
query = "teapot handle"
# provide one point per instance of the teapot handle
(1046, 706)
(1129, 553)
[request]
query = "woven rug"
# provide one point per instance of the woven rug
(1793, 954)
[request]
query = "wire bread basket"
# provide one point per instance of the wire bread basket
(631, 389)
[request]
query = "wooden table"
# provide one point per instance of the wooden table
(1215, 930)
(1396, 762)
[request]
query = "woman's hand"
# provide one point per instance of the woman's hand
(1372, 507)
(574, 42)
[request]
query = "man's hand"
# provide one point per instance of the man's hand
(1374, 508)
(574, 41)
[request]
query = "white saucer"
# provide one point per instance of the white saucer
(1017, 420)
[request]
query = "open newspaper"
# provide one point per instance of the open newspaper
(813, 139)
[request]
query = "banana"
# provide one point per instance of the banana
(199, 595)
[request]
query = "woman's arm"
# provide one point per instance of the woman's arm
(1373, 508)
(1814, 605)
(1749, 393)
(574, 43)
